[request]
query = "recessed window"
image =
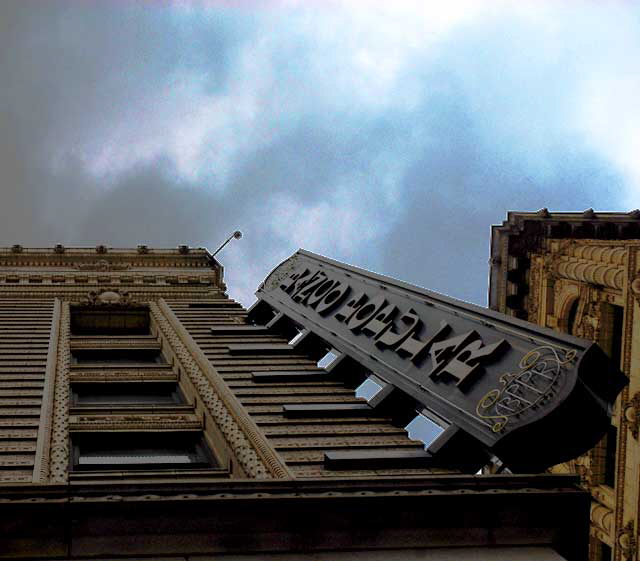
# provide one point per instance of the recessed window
(424, 429)
(140, 451)
(131, 393)
(111, 320)
(117, 356)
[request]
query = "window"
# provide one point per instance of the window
(131, 393)
(140, 451)
(117, 356)
(110, 320)
(611, 332)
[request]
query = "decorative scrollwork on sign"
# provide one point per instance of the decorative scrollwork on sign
(539, 372)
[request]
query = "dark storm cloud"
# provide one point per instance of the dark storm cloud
(353, 134)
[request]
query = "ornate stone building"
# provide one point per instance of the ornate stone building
(143, 416)
(579, 273)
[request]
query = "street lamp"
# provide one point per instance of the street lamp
(237, 235)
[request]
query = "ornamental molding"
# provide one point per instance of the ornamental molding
(634, 285)
(142, 256)
(43, 446)
(625, 366)
(536, 278)
(631, 414)
(122, 376)
(59, 455)
(154, 422)
(602, 517)
(106, 297)
(626, 539)
(266, 494)
(589, 321)
(250, 447)
(110, 343)
(103, 265)
(592, 263)
(75, 294)
(62, 279)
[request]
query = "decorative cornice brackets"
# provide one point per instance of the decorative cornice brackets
(250, 447)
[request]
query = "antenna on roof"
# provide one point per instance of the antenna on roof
(237, 235)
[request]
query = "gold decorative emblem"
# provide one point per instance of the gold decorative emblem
(539, 372)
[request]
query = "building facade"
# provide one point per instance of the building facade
(144, 414)
(578, 273)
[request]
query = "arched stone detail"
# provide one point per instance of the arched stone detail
(564, 299)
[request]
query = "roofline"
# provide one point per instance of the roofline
(604, 224)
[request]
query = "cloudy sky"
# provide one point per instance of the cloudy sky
(389, 135)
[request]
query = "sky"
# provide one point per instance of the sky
(388, 135)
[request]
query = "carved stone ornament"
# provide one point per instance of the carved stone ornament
(59, 455)
(16, 248)
(632, 415)
(585, 474)
(108, 298)
(103, 265)
(635, 286)
(627, 541)
(58, 248)
(183, 249)
(101, 249)
(589, 325)
(142, 249)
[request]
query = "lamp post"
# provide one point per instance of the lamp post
(237, 235)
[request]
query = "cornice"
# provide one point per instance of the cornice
(79, 292)
(61, 260)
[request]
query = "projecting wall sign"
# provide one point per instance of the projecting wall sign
(530, 395)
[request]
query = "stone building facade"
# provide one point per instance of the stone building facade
(143, 416)
(579, 273)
